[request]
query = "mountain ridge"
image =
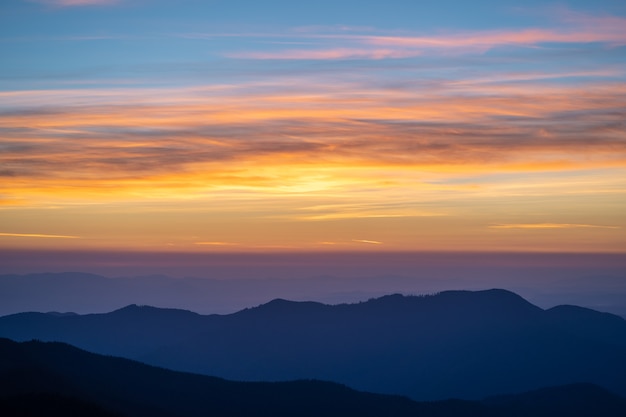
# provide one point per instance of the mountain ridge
(213, 293)
(86, 384)
(425, 347)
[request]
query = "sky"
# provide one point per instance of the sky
(276, 126)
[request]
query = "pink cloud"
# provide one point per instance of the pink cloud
(334, 53)
(491, 39)
(74, 3)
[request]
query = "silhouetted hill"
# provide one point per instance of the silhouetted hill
(129, 331)
(587, 323)
(222, 292)
(38, 404)
(575, 400)
(55, 370)
(454, 344)
(38, 378)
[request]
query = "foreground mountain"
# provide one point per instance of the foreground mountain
(454, 344)
(39, 378)
(135, 389)
(50, 404)
(569, 400)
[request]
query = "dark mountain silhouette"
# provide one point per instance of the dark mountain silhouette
(134, 389)
(38, 378)
(38, 404)
(570, 400)
(454, 344)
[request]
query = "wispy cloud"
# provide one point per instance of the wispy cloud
(572, 28)
(316, 138)
(216, 244)
(365, 210)
(550, 226)
(420, 132)
(483, 41)
(332, 53)
(76, 3)
(38, 235)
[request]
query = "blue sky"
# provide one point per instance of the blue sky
(164, 41)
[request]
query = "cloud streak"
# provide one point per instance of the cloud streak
(216, 244)
(578, 29)
(417, 140)
(121, 141)
(76, 3)
(551, 226)
(38, 235)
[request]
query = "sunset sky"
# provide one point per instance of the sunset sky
(267, 126)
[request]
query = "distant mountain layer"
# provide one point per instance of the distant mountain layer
(222, 293)
(456, 344)
(57, 379)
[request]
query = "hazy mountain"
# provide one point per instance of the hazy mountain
(454, 344)
(57, 379)
(221, 293)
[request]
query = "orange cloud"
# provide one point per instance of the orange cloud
(412, 153)
(550, 226)
(38, 235)
(134, 144)
(333, 53)
(216, 243)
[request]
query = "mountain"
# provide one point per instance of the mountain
(569, 400)
(55, 370)
(37, 404)
(38, 378)
(222, 291)
(457, 344)
(58, 291)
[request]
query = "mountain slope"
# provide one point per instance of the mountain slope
(135, 389)
(37, 404)
(575, 400)
(454, 344)
(39, 378)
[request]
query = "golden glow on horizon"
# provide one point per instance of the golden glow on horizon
(216, 243)
(308, 161)
(38, 236)
(228, 173)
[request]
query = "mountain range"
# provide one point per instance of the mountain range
(52, 379)
(454, 344)
(219, 292)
